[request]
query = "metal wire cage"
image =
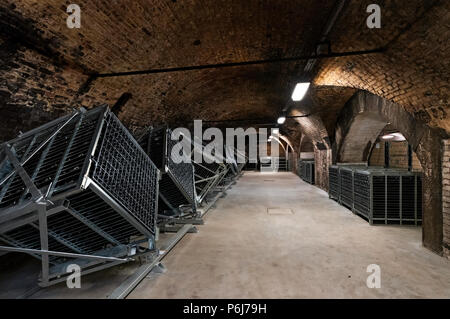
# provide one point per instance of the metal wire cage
(381, 196)
(334, 183)
(307, 171)
(342, 183)
(79, 190)
(388, 196)
(177, 194)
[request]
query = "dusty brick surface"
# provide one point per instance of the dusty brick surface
(137, 35)
(322, 160)
(413, 72)
(398, 156)
(33, 91)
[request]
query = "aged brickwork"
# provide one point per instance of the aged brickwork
(122, 36)
(413, 72)
(36, 84)
(322, 160)
(398, 155)
(35, 89)
(47, 68)
(425, 141)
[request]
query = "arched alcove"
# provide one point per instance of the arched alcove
(360, 123)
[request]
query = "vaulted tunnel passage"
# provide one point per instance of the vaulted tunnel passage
(87, 159)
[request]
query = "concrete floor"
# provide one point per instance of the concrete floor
(320, 250)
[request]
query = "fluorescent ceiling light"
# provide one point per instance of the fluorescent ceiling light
(275, 131)
(281, 120)
(300, 91)
(397, 137)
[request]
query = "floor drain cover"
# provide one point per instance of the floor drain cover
(279, 211)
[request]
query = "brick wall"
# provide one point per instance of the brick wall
(377, 156)
(446, 197)
(33, 90)
(398, 156)
(322, 160)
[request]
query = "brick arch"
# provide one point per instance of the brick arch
(413, 69)
(306, 145)
(314, 129)
(358, 140)
(365, 108)
(315, 132)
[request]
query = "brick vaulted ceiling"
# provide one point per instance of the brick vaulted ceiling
(128, 35)
(414, 70)
(124, 35)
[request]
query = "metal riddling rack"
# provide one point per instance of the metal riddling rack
(334, 183)
(177, 194)
(341, 183)
(361, 196)
(388, 196)
(307, 171)
(80, 187)
(346, 183)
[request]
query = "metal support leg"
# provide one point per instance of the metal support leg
(42, 212)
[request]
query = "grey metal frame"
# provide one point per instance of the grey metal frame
(169, 170)
(52, 201)
(172, 175)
